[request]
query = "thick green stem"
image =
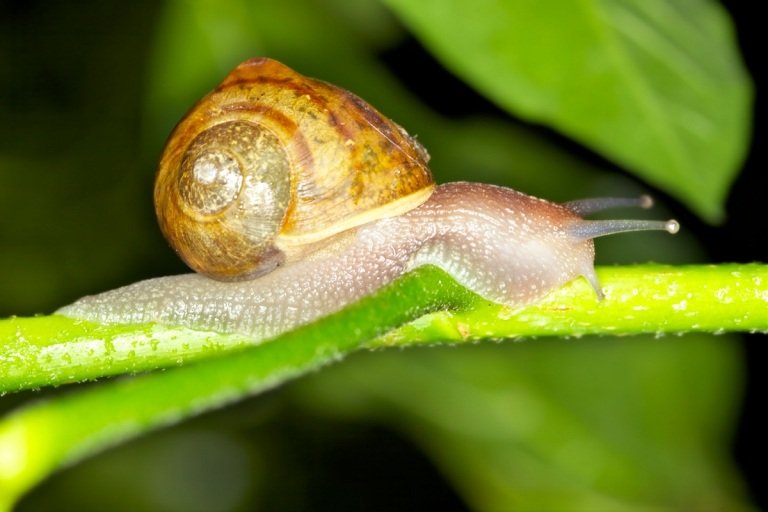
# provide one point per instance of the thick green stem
(52, 350)
(655, 299)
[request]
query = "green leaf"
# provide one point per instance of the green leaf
(657, 86)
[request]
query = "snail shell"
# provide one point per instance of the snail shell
(272, 164)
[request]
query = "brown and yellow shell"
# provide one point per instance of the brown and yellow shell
(272, 162)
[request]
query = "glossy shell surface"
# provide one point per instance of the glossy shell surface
(271, 162)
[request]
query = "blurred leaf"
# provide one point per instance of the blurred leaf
(657, 86)
(197, 44)
(200, 42)
(74, 196)
(534, 427)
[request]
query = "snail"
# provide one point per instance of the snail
(292, 198)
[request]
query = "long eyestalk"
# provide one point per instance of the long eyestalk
(595, 228)
(587, 229)
(598, 204)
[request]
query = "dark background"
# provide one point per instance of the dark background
(742, 238)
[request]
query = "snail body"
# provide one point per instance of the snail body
(350, 206)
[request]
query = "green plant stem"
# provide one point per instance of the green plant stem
(41, 437)
(657, 299)
(37, 439)
(53, 350)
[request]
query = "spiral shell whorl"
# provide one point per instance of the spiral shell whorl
(228, 199)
